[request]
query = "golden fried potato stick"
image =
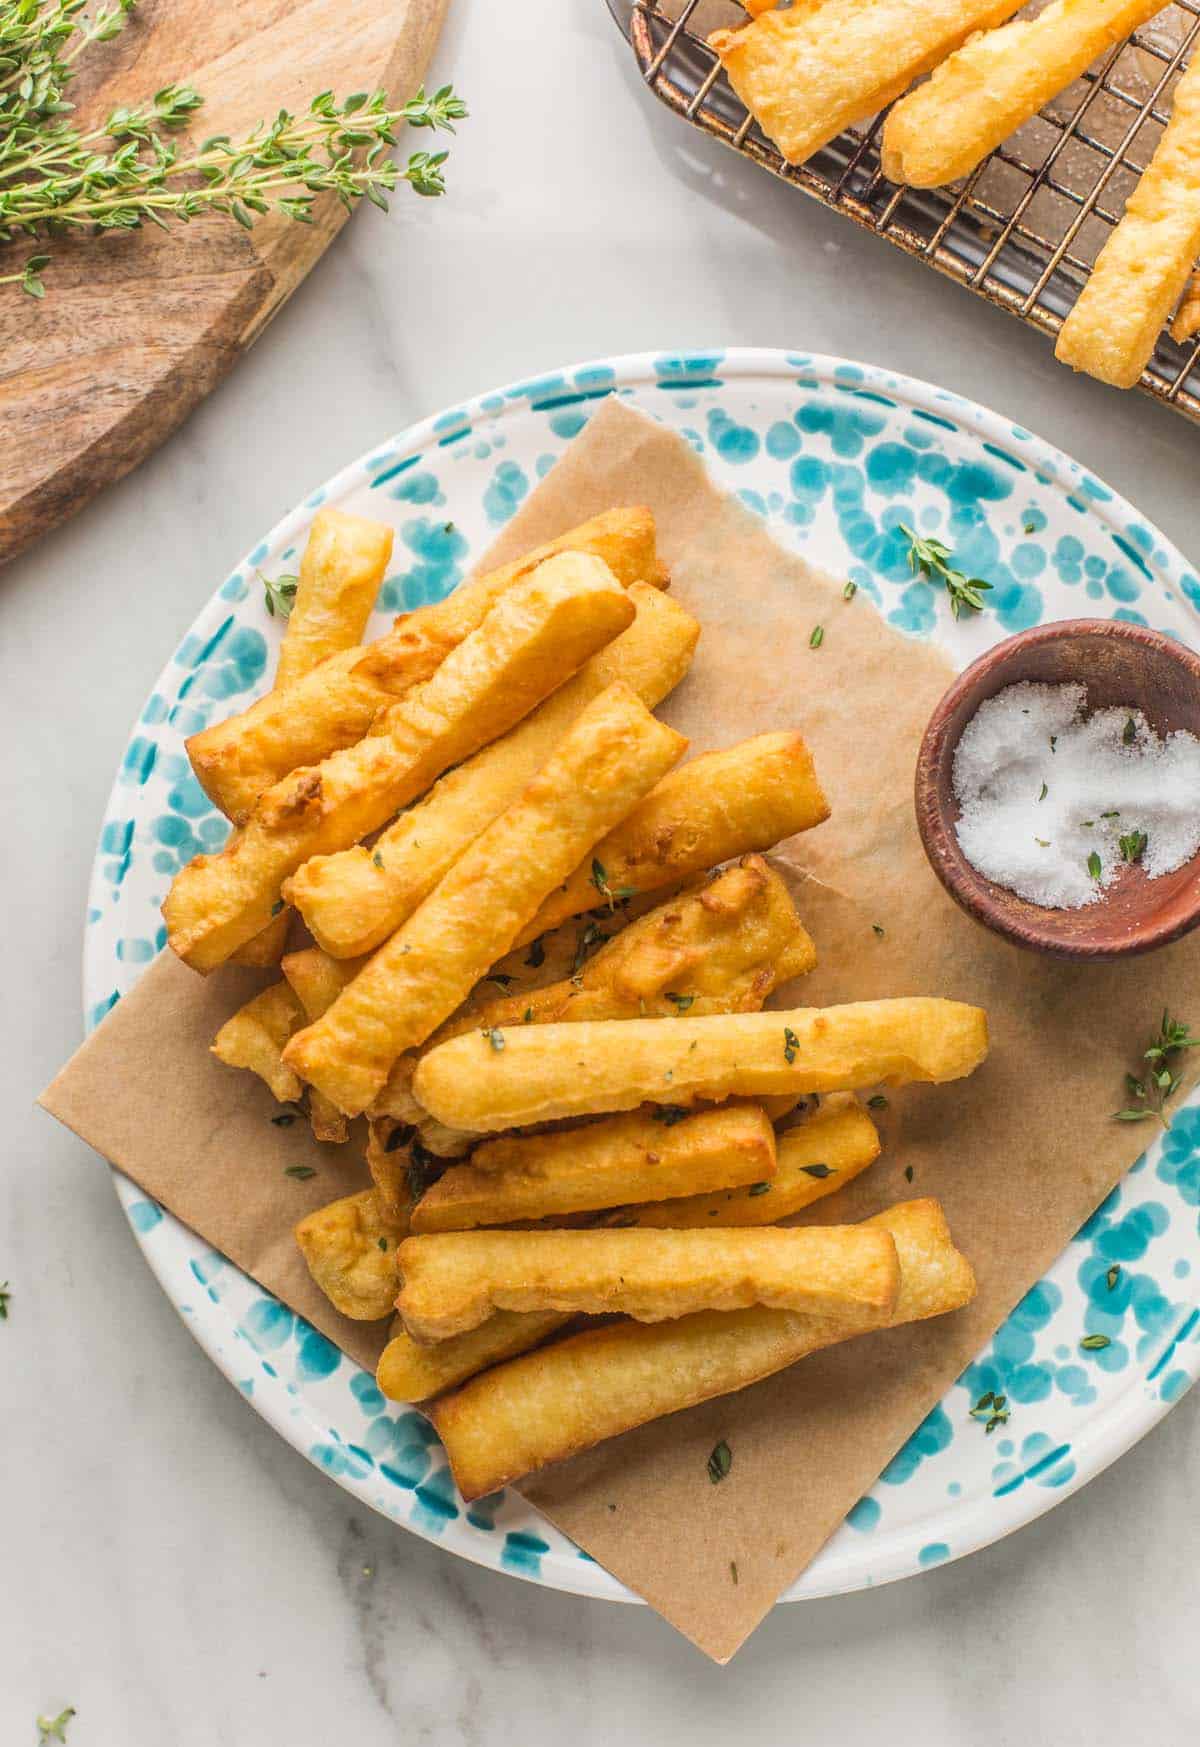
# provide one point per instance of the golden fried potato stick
(397, 1166)
(807, 73)
(1145, 264)
(812, 1160)
(317, 980)
(254, 1038)
(545, 1072)
(354, 900)
(994, 83)
(611, 755)
(454, 1280)
(350, 1248)
(604, 1164)
(721, 947)
(325, 1120)
(266, 947)
(411, 1372)
(747, 797)
(238, 760)
(341, 570)
(575, 1393)
(538, 633)
(340, 573)
(1186, 322)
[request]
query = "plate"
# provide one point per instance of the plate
(832, 455)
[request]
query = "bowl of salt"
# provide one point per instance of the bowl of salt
(1058, 789)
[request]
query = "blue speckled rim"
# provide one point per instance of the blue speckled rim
(832, 454)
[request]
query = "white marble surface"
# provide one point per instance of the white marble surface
(167, 1564)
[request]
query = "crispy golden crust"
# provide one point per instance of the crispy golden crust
(807, 73)
(611, 755)
(841, 1134)
(266, 947)
(254, 1038)
(317, 980)
(540, 631)
(326, 1120)
(569, 1396)
(843, 1137)
(343, 565)
(814, 1159)
(747, 797)
(350, 1248)
(1144, 266)
(722, 946)
(454, 1280)
(354, 900)
(547, 1072)
(994, 83)
(238, 760)
(344, 562)
(409, 1371)
(389, 1160)
(1186, 322)
(604, 1164)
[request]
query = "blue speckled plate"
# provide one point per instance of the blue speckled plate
(833, 455)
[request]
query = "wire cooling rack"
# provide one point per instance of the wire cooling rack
(1024, 229)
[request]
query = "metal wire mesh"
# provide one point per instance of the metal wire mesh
(1024, 229)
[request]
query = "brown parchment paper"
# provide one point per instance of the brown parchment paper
(1019, 1154)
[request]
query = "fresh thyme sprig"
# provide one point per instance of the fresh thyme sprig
(56, 178)
(1160, 1081)
(5, 1296)
(39, 41)
(930, 559)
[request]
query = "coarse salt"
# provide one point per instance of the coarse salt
(1044, 788)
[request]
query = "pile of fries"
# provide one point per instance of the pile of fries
(538, 951)
(810, 71)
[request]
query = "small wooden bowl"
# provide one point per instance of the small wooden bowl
(1120, 664)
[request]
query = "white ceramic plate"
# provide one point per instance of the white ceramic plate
(833, 455)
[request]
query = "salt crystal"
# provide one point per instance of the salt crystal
(1043, 787)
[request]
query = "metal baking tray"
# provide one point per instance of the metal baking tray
(1025, 228)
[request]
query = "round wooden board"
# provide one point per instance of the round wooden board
(138, 326)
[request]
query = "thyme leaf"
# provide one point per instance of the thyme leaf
(54, 1728)
(280, 595)
(720, 1461)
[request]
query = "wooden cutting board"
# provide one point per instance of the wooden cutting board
(136, 327)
